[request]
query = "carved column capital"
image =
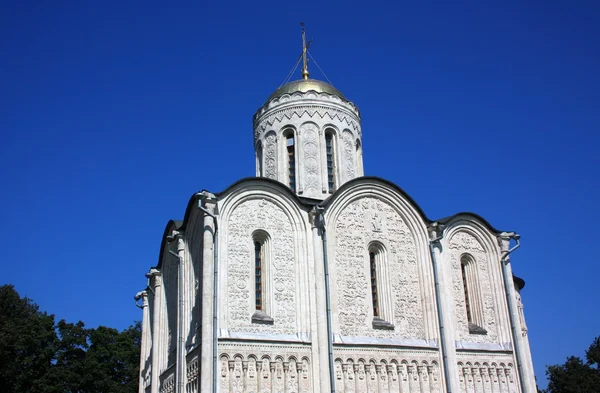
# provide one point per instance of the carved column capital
(436, 231)
(504, 241)
(315, 217)
(143, 296)
(155, 277)
(209, 201)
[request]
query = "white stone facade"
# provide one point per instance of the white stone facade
(349, 288)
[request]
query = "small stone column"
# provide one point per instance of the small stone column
(143, 296)
(156, 283)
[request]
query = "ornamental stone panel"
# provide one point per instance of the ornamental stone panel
(361, 222)
(248, 217)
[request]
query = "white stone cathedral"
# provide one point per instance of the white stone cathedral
(311, 277)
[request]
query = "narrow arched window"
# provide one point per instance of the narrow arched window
(291, 160)
(259, 159)
(330, 161)
(463, 265)
(258, 277)
(373, 269)
(262, 278)
(472, 293)
(381, 301)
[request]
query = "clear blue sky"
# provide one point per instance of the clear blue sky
(113, 114)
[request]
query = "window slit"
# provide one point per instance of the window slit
(374, 284)
(291, 162)
(466, 291)
(330, 161)
(258, 274)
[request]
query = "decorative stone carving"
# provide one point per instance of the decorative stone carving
(168, 383)
(192, 376)
(348, 156)
(521, 313)
(319, 112)
(270, 155)
(460, 244)
(491, 373)
(310, 151)
(285, 374)
(244, 220)
(354, 229)
(394, 372)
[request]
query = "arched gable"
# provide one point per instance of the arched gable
(370, 210)
(467, 236)
(266, 207)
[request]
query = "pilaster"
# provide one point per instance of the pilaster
(321, 346)
(445, 310)
(521, 343)
(209, 203)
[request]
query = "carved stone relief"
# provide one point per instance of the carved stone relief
(192, 372)
(270, 155)
(387, 372)
(311, 157)
(521, 313)
(361, 222)
(465, 243)
(349, 159)
(265, 369)
(244, 220)
(487, 376)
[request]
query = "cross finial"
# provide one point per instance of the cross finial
(305, 46)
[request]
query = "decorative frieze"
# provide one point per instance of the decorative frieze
(487, 377)
(264, 369)
(388, 375)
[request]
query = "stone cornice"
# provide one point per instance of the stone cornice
(311, 109)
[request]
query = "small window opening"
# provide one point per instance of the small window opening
(291, 161)
(258, 256)
(330, 161)
(374, 284)
(473, 302)
(259, 158)
(466, 291)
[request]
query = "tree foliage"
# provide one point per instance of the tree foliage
(575, 375)
(39, 355)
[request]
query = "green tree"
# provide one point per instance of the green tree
(112, 361)
(28, 344)
(575, 375)
(38, 355)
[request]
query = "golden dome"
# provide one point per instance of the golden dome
(304, 85)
